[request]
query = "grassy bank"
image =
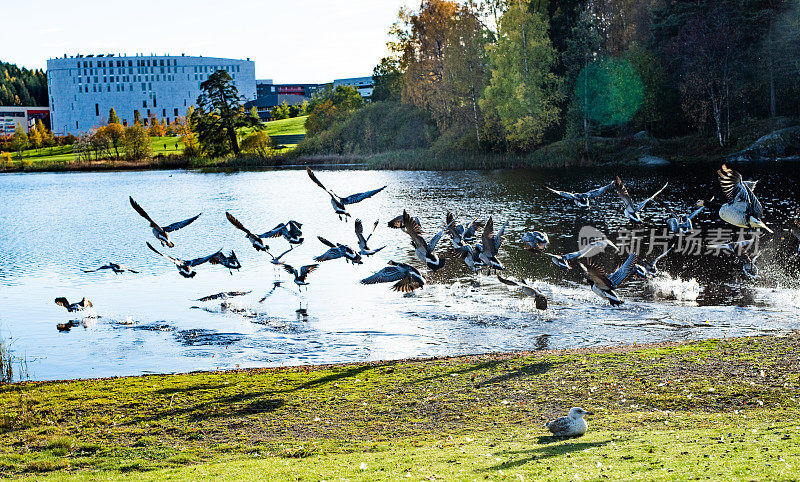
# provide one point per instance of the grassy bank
(718, 408)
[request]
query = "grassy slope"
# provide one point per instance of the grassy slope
(65, 154)
(296, 125)
(711, 408)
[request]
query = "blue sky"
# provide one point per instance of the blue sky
(290, 41)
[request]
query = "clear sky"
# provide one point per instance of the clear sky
(289, 40)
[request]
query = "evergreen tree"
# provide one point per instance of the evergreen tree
(219, 113)
(112, 117)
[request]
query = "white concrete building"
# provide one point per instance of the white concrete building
(364, 85)
(83, 89)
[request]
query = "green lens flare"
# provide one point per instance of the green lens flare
(610, 91)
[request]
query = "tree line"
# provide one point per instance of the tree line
(20, 86)
(510, 75)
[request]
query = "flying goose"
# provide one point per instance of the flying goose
(300, 276)
(461, 234)
(161, 232)
(682, 224)
(472, 257)
(338, 202)
(336, 251)
(71, 307)
(290, 231)
(563, 260)
(538, 296)
(573, 425)
(734, 247)
(581, 199)
(535, 241)
(231, 261)
(631, 210)
(407, 278)
(185, 266)
(224, 295)
(423, 250)
(603, 285)
(743, 208)
(650, 270)
(491, 245)
(363, 249)
(277, 259)
(255, 239)
(115, 267)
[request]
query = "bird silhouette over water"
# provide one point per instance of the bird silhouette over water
(339, 203)
(162, 233)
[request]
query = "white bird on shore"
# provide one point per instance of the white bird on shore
(573, 425)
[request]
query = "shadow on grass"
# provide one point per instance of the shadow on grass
(471, 368)
(333, 377)
(192, 388)
(525, 370)
(546, 452)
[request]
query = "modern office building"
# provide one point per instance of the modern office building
(27, 117)
(364, 85)
(266, 87)
(83, 89)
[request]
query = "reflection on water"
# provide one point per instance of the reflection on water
(55, 225)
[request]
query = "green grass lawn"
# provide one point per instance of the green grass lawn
(284, 127)
(720, 409)
(61, 154)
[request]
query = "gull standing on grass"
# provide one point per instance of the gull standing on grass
(573, 425)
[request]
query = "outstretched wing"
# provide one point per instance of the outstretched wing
(326, 242)
(386, 275)
(396, 223)
(180, 224)
(237, 224)
(622, 192)
(223, 295)
(487, 240)
(275, 232)
(305, 270)
(316, 181)
(434, 241)
(333, 253)
(564, 194)
(142, 212)
(354, 198)
(730, 181)
(596, 275)
(407, 284)
(498, 239)
(623, 271)
(599, 191)
(507, 281)
(176, 261)
(360, 233)
(642, 204)
(205, 259)
(290, 269)
(472, 228)
(98, 269)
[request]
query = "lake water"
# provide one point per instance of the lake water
(55, 225)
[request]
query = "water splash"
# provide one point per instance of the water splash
(668, 288)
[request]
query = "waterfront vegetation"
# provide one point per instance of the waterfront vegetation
(714, 408)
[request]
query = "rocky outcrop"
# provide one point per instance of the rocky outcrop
(778, 144)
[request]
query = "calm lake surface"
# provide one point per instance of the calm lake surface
(55, 225)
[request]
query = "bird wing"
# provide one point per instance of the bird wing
(622, 192)
(596, 275)
(326, 242)
(290, 269)
(599, 191)
(696, 212)
(305, 270)
(473, 226)
(225, 294)
(98, 269)
(360, 233)
(407, 284)
(666, 252)
(316, 181)
(142, 213)
(204, 259)
(507, 281)
(563, 194)
(237, 224)
(623, 271)
(396, 223)
(581, 253)
(487, 240)
(294, 229)
(730, 181)
(451, 228)
(642, 204)
(434, 241)
(386, 275)
(354, 198)
(180, 224)
(275, 232)
(498, 239)
(176, 261)
(559, 425)
(333, 253)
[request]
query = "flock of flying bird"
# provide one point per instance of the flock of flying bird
(742, 209)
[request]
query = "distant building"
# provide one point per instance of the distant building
(84, 88)
(264, 104)
(364, 85)
(27, 117)
(266, 87)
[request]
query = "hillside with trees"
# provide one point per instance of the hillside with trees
(514, 76)
(20, 86)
